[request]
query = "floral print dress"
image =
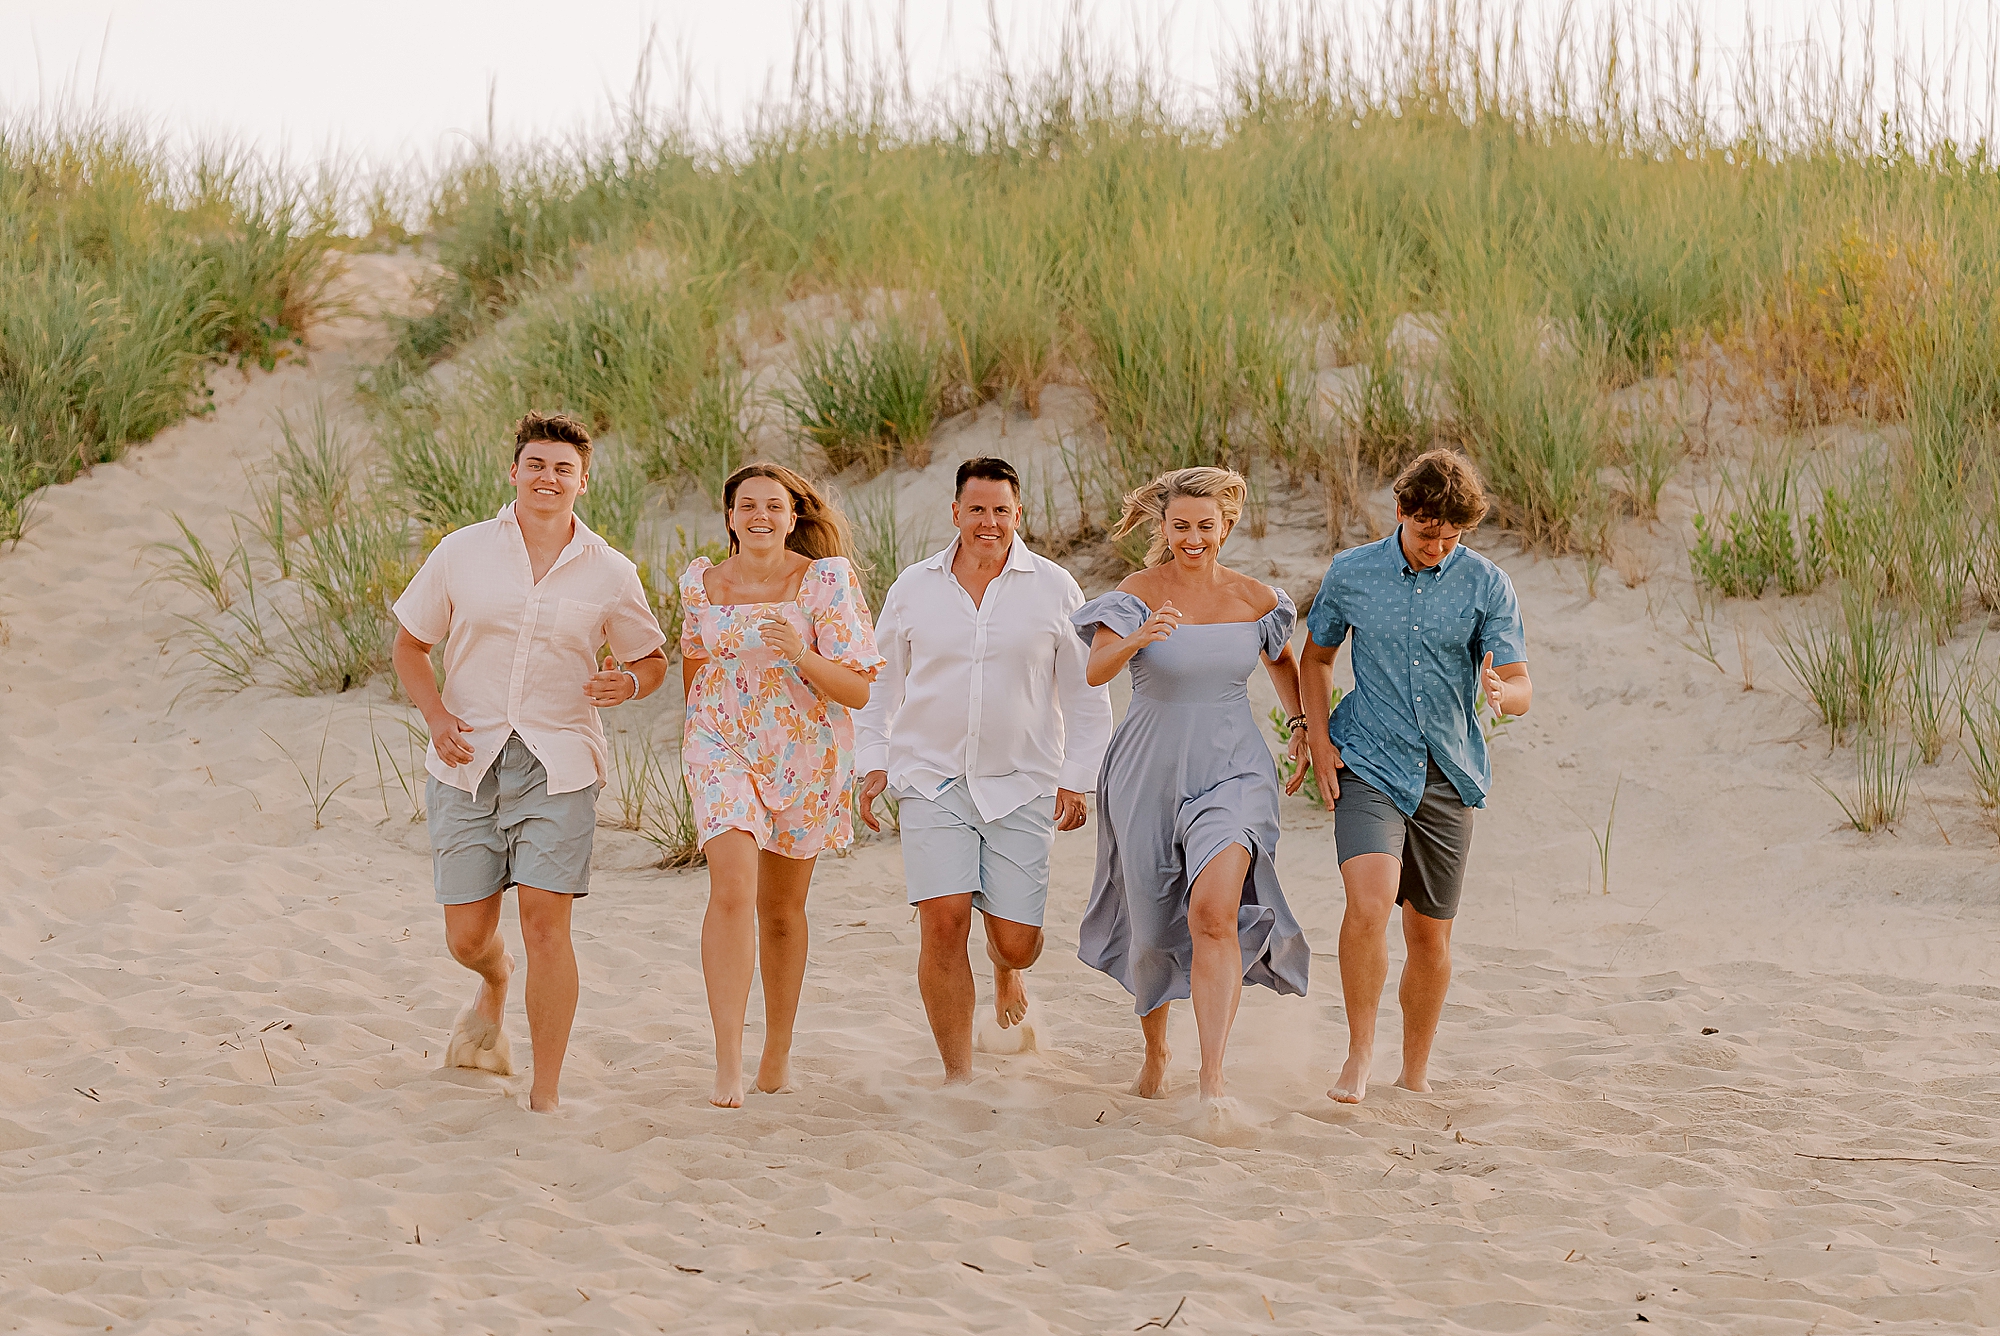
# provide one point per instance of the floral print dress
(764, 751)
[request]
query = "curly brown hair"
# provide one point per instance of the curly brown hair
(560, 427)
(1442, 485)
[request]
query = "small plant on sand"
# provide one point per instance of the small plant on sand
(1979, 711)
(1815, 650)
(1881, 781)
(191, 564)
(1759, 539)
(869, 400)
(1927, 697)
(1603, 842)
(318, 792)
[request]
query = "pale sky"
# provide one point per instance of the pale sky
(387, 82)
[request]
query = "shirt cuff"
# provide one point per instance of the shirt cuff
(1075, 782)
(874, 756)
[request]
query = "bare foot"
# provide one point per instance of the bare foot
(1010, 996)
(1153, 1081)
(536, 1104)
(1416, 1084)
(728, 1091)
(478, 1040)
(1352, 1087)
(774, 1074)
(1213, 1087)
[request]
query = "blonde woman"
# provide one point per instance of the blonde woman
(1186, 901)
(777, 647)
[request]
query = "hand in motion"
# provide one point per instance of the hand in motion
(782, 636)
(1323, 759)
(446, 729)
(610, 686)
(1491, 682)
(1070, 809)
(1300, 755)
(871, 789)
(1156, 627)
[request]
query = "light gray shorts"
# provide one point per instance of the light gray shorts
(1431, 844)
(512, 832)
(948, 849)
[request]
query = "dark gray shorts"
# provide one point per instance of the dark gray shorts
(512, 832)
(1431, 845)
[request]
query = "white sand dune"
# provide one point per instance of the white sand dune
(1750, 1089)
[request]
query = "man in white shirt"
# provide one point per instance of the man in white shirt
(983, 727)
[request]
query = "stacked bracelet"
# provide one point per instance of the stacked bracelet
(1295, 723)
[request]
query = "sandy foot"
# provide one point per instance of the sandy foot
(1352, 1085)
(1010, 996)
(728, 1092)
(1153, 1081)
(994, 1035)
(479, 1043)
(775, 1079)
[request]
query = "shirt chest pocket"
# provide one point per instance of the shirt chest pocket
(579, 624)
(1450, 629)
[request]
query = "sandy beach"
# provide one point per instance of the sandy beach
(1747, 1086)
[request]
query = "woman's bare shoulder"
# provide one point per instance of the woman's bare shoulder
(1260, 597)
(1142, 584)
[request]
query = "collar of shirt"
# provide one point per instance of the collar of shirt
(580, 536)
(1437, 571)
(1018, 557)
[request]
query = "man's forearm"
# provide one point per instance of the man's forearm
(413, 670)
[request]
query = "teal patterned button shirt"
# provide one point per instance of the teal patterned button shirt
(1418, 641)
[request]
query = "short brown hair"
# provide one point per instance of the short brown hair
(560, 427)
(1442, 485)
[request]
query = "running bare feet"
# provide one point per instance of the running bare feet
(1154, 1081)
(1352, 1087)
(774, 1073)
(1213, 1087)
(478, 1037)
(1416, 1084)
(1010, 996)
(728, 1088)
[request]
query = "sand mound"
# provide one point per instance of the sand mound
(1749, 1089)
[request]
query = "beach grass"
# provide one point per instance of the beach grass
(127, 269)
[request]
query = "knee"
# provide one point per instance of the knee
(468, 945)
(1017, 953)
(545, 931)
(1211, 924)
(945, 925)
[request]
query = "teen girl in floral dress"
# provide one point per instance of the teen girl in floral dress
(776, 648)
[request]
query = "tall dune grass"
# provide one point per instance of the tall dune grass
(127, 269)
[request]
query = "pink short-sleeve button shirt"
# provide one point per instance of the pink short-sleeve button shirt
(517, 653)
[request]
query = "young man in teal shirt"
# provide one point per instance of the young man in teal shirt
(1402, 761)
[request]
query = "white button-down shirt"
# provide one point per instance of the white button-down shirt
(517, 653)
(993, 693)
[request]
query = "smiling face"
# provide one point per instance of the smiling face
(1195, 530)
(548, 476)
(1427, 542)
(986, 514)
(761, 516)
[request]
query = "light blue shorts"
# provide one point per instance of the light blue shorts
(512, 832)
(948, 849)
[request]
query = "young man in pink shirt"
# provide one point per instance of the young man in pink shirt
(523, 603)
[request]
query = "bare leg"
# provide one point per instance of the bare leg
(1426, 977)
(472, 934)
(729, 954)
(781, 936)
(1371, 881)
(1217, 984)
(944, 977)
(1012, 947)
(1153, 1081)
(552, 987)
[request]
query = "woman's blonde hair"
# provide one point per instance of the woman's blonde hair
(821, 531)
(1148, 504)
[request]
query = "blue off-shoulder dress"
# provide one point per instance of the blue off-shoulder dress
(1187, 774)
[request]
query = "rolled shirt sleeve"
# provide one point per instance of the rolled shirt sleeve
(424, 607)
(630, 628)
(1500, 631)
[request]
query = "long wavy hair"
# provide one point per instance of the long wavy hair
(1148, 504)
(822, 531)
